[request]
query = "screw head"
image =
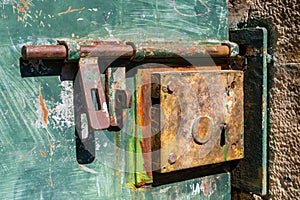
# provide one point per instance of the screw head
(172, 158)
(171, 86)
(164, 89)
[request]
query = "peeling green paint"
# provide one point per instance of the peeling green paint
(25, 172)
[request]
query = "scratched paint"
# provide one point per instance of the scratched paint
(204, 20)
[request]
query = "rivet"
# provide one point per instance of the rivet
(172, 158)
(171, 86)
(164, 89)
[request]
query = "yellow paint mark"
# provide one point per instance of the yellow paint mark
(43, 153)
(43, 106)
(42, 24)
(70, 10)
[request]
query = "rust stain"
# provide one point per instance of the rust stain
(70, 10)
(21, 9)
(205, 192)
(25, 4)
(43, 153)
(43, 106)
(51, 182)
(145, 146)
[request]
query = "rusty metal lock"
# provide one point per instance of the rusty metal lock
(179, 106)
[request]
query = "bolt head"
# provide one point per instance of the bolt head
(171, 86)
(172, 158)
(164, 89)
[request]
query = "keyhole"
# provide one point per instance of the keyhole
(95, 98)
(222, 139)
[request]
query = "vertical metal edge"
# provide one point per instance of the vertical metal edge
(131, 144)
(143, 176)
(115, 80)
(264, 110)
(240, 178)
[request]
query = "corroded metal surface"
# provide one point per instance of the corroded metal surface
(44, 51)
(145, 111)
(201, 122)
(76, 49)
(115, 80)
(251, 173)
(150, 49)
(90, 109)
(93, 92)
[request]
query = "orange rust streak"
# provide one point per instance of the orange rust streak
(51, 182)
(205, 192)
(43, 153)
(21, 10)
(25, 4)
(43, 107)
(69, 10)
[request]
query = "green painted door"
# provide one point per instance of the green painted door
(37, 142)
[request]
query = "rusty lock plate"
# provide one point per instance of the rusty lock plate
(197, 118)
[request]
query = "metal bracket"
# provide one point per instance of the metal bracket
(90, 108)
(250, 174)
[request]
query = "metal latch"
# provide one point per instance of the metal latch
(98, 71)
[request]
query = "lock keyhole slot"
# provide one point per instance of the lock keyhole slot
(96, 99)
(222, 138)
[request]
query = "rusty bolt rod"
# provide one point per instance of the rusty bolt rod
(106, 51)
(111, 50)
(217, 51)
(44, 52)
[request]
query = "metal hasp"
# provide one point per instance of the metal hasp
(250, 173)
(181, 102)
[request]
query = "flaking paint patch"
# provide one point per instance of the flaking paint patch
(62, 115)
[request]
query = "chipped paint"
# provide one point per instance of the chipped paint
(43, 106)
(30, 180)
